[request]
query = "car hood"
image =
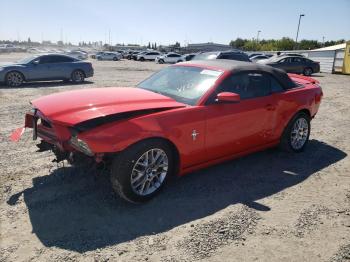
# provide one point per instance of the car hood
(6, 64)
(73, 107)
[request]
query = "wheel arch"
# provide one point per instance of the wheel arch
(290, 118)
(305, 111)
(17, 71)
(174, 148)
(79, 69)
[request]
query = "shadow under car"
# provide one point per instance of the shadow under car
(72, 210)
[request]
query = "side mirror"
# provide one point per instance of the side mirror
(228, 97)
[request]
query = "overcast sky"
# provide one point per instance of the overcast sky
(164, 21)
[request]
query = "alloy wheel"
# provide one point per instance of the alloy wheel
(78, 76)
(14, 79)
(149, 172)
(299, 134)
(308, 71)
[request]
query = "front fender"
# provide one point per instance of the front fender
(115, 137)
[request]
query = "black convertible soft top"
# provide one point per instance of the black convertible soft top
(239, 66)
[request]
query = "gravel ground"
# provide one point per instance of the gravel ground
(269, 206)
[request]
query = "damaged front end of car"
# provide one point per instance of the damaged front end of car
(63, 141)
(78, 142)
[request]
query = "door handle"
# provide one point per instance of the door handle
(270, 107)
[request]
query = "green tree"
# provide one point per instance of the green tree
(238, 43)
(251, 46)
(308, 44)
(285, 43)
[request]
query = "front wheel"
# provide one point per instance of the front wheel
(296, 135)
(161, 61)
(14, 79)
(115, 59)
(140, 171)
(142, 59)
(78, 76)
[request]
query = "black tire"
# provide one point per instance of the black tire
(124, 162)
(307, 71)
(142, 59)
(161, 61)
(286, 138)
(179, 61)
(14, 79)
(115, 59)
(78, 76)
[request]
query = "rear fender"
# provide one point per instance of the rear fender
(303, 79)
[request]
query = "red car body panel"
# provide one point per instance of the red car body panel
(257, 123)
(72, 107)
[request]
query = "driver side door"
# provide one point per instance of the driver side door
(42, 68)
(232, 128)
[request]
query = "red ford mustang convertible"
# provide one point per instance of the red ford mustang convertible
(187, 116)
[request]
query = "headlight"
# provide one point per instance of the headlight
(81, 145)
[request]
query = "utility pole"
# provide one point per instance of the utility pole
(109, 37)
(296, 38)
(323, 41)
(257, 37)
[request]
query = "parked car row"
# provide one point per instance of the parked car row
(289, 62)
(69, 66)
(115, 56)
(158, 57)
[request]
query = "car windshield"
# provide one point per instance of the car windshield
(26, 60)
(182, 83)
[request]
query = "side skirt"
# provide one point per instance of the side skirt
(226, 158)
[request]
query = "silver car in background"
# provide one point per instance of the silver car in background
(78, 54)
(109, 56)
(45, 67)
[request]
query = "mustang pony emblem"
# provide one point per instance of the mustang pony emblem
(194, 134)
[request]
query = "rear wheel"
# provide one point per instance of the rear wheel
(296, 135)
(307, 71)
(78, 76)
(141, 171)
(161, 61)
(142, 59)
(14, 79)
(115, 59)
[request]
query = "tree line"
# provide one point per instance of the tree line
(282, 44)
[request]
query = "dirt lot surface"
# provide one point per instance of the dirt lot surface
(269, 206)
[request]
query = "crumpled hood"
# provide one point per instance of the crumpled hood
(73, 107)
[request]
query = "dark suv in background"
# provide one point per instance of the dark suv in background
(231, 55)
